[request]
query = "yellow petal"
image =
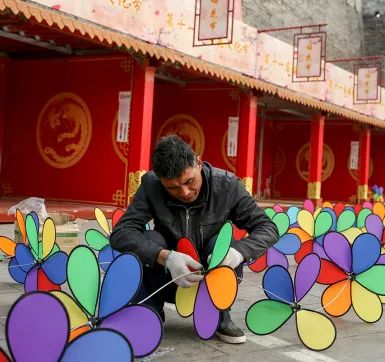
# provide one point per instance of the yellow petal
(306, 221)
(366, 304)
(102, 221)
(315, 330)
(49, 237)
(185, 299)
(351, 234)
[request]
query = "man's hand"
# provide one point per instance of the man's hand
(232, 259)
(178, 264)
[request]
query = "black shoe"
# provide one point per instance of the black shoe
(230, 333)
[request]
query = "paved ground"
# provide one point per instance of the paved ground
(356, 340)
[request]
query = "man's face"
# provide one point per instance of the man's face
(186, 187)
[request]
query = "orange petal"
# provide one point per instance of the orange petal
(21, 224)
(78, 331)
(7, 246)
(303, 235)
(336, 299)
(222, 285)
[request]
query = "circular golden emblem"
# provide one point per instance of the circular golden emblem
(63, 130)
(354, 173)
(187, 128)
(121, 148)
(230, 161)
(303, 159)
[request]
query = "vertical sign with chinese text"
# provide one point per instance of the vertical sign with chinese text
(367, 84)
(123, 116)
(353, 159)
(232, 137)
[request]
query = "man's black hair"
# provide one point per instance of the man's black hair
(171, 157)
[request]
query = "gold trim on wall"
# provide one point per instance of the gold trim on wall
(314, 190)
(362, 192)
(248, 183)
(134, 180)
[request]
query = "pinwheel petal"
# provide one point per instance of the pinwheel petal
(373, 225)
(7, 246)
(186, 246)
(303, 235)
(95, 239)
(306, 221)
(75, 333)
(120, 284)
(270, 212)
(33, 336)
(116, 215)
(288, 244)
(277, 208)
(281, 220)
(361, 217)
(206, 316)
(333, 214)
(366, 304)
(49, 237)
(278, 285)
(308, 205)
(266, 316)
(315, 330)
(336, 299)
(99, 345)
(322, 224)
(366, 251)
(44, 284)
(306, 275)
(238, 234)
(373, 279)
(275, 257)
(381, 259)
(32, 233)
(330, 273)
(185, 299)
(292, 213)
(337, 248)
(346, 220)
(83, 277)
(222, 245)
(379, 209)
(24, 257)
(259, 264)
(21, 225)
(306, 248)
(320, 251)
(77, 317)
(352, 234)
(222, 285)
(106, 256)
(102, 220)
(55, 267)
(3, 356)
(140, 324)
(17, 274)
(30, 284)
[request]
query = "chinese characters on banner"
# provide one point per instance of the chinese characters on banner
(213, 22)
(123, 116)
(353, 159)
(232, 137)
(367, 84)
(309, 57)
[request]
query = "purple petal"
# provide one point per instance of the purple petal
(373, 224)
(275, 257)
(140, 325)
(206, 316)
(381, 259)
(319, 250)
(30, 284)
(306, 275)
(338, 249)
(37, 328)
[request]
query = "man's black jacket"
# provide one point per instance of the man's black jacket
(225, 198)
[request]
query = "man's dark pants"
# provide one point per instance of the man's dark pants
(157, 276)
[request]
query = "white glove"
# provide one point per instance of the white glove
(232, 259)
(178, 263)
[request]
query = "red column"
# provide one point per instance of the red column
(246, 140)
(363, 165)
(140, 125)
(316, 154)
(4, 61)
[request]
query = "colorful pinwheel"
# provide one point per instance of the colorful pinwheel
(138, 323)
(315, 330)
(37, 329)
(352, 276)
(288, 244)
(216, 292)
(100, 242)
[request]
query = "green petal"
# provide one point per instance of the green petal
(32, 234)
(346, 220)
(373, 279)
(323, 223)
(95, 239)
(270, 212)
(222, 245)
(281, 220)
(266, 316)
(361, 217)
(84, 278)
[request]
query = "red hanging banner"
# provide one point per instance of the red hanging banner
(213, 22)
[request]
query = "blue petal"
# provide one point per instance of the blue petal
(120, 284)
(99, 345)
(24, 257)
(35, 219)
(16, 272)
(55, 267)
(292, 212)
(365, 252)
(278, 285)
(106, 256)
(288, 244)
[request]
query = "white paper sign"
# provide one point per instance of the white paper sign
(123, 116)
(213, 19)
(367, 84)
(353, 160)
(232, 136)
(309, 57)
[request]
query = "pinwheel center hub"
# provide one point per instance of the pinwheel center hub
(352, 276)
(94, 322)
(39, 263)
(295, 306)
